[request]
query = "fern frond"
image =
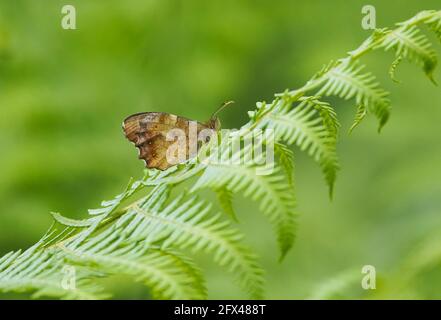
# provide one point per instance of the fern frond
(186, 224)
(328, 115)
(107, 209)
(166, 274)
(75, 223)
(323, 71)
(286, 157)
(225, 197)
(188, 266)
(434, 22)
(40, 272)
(302, 125)
(410, 43)
(393, 68)
(348, 81)
(277, 201)
(359, 116)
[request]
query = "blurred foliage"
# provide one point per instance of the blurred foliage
(63, 94)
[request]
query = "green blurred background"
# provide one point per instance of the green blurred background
(64, 93)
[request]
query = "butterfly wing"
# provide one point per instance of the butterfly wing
(148, 131)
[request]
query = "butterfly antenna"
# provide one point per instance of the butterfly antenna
(222, 107)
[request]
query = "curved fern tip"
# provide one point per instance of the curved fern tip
(282, 257)
(351, 129)
(284, 251)
(383, 122)
(331, 192)
(380, 128)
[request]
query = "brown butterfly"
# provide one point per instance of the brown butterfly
(153, 132)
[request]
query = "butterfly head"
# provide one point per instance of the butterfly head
(214, 122)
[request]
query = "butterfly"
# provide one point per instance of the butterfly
(155, 133)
